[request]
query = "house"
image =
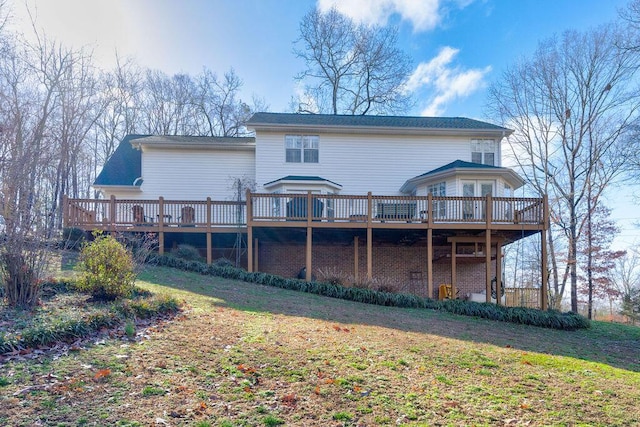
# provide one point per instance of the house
(412, 202)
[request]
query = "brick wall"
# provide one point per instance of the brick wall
(403, 268)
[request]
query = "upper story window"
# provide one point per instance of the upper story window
(484, 151)
(302, 148)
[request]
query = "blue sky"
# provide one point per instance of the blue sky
(458, 46)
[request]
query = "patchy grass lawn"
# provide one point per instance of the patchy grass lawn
(249, 355)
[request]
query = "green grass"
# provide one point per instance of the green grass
(243, 354)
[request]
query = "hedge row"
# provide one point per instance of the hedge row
(527, 316)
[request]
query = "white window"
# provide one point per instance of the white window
(439, 206)
(439, 189)
(302, 148)
(484, 151)
(508, 191)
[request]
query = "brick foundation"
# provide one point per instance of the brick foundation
(399, 268)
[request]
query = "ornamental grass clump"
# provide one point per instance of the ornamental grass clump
(108, 269)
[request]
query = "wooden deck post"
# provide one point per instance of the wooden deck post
(356, 259)
(308, 252)
(249, 203)
(161, 225)
(499, 272)
(430, 262)
(256, 249)
(454, 277)
(487, 246)
(430, 245)
(112, 214)
(544, 298)
(369, 236)
(209, 235)
(309, 248)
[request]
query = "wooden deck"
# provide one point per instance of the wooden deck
(489, 221)
(296, 210)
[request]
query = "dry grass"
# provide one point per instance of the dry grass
(247, 355)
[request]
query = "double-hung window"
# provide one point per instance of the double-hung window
(484, 151)
(302, 148)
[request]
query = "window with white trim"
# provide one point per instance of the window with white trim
(438, 189)
(484, 151)
(302, 148)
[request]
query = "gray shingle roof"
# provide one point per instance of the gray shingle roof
(124, 166)
(302, 178)
(284, 119)
(198, 140)
(456, 165)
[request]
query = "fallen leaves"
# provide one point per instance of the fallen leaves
(102, 374)
(290, 400)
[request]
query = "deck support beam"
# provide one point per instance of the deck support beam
(487, 260)
(308, 253)
(161, 225)
(256, 249)
(430, 263)
(487, 247)
(356, 259)
(369, 253)
(454, 277)
(209, 242)
(544, 298)
(499, 272)
(249, 232)
(369, 236)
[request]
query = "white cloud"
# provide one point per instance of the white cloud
(424, 15)
(446, 81)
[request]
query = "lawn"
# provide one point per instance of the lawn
(249, 355)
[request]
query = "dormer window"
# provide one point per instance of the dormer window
(484, 151)
(302, 148)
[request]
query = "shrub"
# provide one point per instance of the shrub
(365, 292)
(333, 275)
(187, 252)
(108, 269)
(222, 262)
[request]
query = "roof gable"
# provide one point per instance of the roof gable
(124, 167)
(302, 179)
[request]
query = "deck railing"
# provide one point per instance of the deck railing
(118, 213)
(382, 209)
(305, 207)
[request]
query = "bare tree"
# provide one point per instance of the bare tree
(220, 112)
(121, 91)
(596, 255)
(571, 106)
(167, 104)
(626, 279)
(351, 69)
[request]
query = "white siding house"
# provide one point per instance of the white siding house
(178, 168)
(379, 154)
(422, 202)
